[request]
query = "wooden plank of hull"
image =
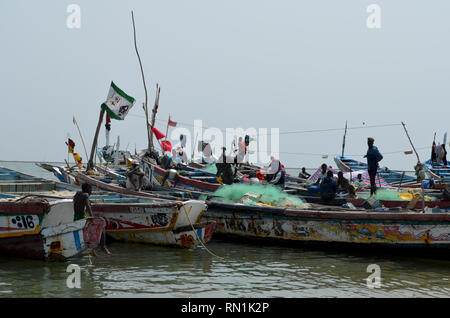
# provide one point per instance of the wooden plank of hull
(183, 182)
(370, 228)
(111, 187)
(149, 223)
(403, 204)
(29, 246)
(55, 243)
(72, 239)
(181, 237)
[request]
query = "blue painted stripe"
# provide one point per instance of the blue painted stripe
(76, 236)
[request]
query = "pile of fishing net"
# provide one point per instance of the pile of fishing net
(393, 195)
(257, 195)
(211, 168)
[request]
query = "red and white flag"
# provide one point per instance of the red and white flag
(172, 123)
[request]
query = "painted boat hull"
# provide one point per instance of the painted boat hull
(442, 204)
(405, 229)
(163, 223)
(46, 231)
(152, 223)
(392, 177)
(155, 176)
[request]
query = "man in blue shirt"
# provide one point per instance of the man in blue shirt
(373, 157)
(328, 188)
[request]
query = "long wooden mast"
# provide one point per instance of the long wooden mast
(90, 164)
(149, 132)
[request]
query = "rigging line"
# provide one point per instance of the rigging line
(336, 154)
(291, 132)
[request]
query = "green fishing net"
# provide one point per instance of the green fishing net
(257, 194)
(211, 168)
(393, 195)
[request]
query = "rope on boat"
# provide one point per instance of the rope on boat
(198, 238)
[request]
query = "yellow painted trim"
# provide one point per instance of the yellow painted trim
(15, 234)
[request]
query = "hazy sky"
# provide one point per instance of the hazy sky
(293, 65)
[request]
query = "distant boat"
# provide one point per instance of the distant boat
(346, 164)
(440, 170)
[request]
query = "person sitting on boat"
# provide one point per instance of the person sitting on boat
(359, 182)
(345, 185)
(328, 188)
(322, 173)
(373, 157)
(272, 169)
(225, 173)
(82, 209)
(166, 162)
(135, 177)
(275, 173)
(303, 174)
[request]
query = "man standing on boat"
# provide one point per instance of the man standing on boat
(373, 157)
(82, 209)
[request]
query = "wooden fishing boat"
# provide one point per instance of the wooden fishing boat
(332, 225)
(155, 221)
(346, 164)
(441, 171)
(36, 221)
(61, 173)
(42, 228)
(12, 181)
(156, 175)
(136, 216)
(159, 219)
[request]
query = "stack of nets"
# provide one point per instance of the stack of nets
(257, 194)
(393, 195)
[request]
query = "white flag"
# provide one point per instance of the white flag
(118, 104)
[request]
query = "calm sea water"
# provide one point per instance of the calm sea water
(247, 270)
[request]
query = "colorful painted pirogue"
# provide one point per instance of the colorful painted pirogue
(334, 225)
(138, 216)
(145, 219)
(392, 177)
(45, 229)
(41, 227)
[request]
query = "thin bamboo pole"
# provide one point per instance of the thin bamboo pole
(149, 133)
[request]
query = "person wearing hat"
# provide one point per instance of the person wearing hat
(373, 157)
(135, 176)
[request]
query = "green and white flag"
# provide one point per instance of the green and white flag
(118, 104)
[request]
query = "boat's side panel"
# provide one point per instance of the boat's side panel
(339, 230)
(70, 239)
(61, 212)
(29, 246)
(137, 219)
(16, 225)
(190, 212)
(156, 175)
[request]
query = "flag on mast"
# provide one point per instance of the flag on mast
(118, 103)
(172, 123)
(158, 134)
